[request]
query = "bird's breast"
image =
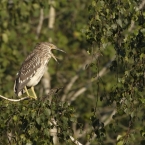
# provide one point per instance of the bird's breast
(37, 76)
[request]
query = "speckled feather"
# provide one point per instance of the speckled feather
(33, 67)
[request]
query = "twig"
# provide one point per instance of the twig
(46, 82)
(14, 100)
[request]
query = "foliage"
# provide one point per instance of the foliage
(28, 121)
(24, 125)
(120, 25)
(102, 79)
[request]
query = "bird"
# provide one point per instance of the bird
(33, 68)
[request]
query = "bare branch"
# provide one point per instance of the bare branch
(52, 92)
(79, 92)
(141, 6)
(46, 82)
(75, 141)
(53, 121)
(40, 23)
(110, 118)
(68, 87)
(14, 100)
(51, 15)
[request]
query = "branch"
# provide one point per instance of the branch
(14, 100)
(110, 118)
(68, 87)
(75, 141)
(40, 23)
(52, 92)
(51, 15)
(72, 139)
(141, 5)
(46, 81)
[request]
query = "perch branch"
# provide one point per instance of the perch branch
(14, 100)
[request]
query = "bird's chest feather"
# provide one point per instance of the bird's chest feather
(37, 76)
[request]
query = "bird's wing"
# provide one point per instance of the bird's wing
(27, 71)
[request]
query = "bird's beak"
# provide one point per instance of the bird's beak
(59, 50)
(53, 54)
(53, 57)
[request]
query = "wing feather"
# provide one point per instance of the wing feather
(27, 71)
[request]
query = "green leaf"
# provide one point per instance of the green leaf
(38, 120)
(47, 112)
(5, 37)
(15, 118)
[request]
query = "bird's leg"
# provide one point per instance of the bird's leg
(34, 94)
(32, 89)
(26, 90)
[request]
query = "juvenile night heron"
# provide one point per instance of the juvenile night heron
(33, 68)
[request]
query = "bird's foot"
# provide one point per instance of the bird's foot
(30, 93)
(32, 97)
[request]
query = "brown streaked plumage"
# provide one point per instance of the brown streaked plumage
(33, 68)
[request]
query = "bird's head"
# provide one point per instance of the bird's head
(50, 47)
